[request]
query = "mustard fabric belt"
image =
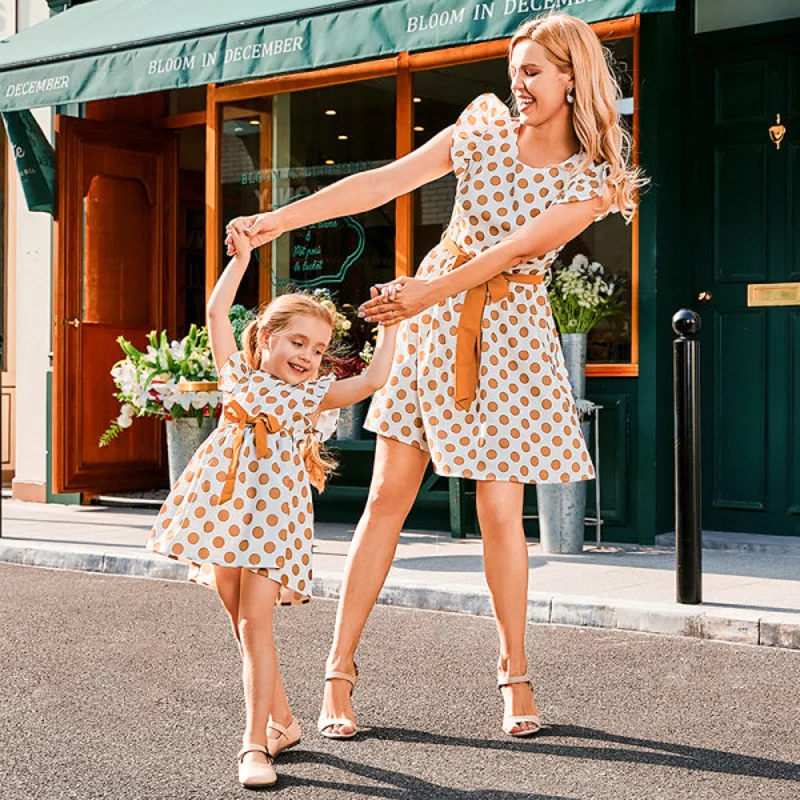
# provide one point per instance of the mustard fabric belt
(263, 424)
(468, 335)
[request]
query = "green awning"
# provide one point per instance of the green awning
(35, 159)
(112, 48)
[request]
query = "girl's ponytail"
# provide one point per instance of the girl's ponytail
(250, 347)
(318, 464)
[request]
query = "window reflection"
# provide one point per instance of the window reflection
(296, 145)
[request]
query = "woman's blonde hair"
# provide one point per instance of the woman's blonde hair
(573, 47)
(272, 319)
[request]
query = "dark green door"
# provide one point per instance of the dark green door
(746, 222)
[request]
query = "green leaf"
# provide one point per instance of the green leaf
(110, 434)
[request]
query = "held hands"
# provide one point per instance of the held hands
(398, 300)
(239, 247)
(259, 229)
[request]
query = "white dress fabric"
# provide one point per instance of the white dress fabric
(522, 425)
(267, 523)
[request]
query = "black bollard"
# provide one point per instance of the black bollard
(688, 515)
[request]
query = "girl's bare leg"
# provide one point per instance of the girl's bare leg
(227, 580)
(505, 560)
(396, 479)
(260, 665)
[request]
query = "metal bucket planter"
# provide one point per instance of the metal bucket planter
(562, 511)
(562, 506)
(351, 421)
(184, 436)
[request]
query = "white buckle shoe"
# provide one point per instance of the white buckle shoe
(254, 774)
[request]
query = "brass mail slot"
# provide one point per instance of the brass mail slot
(773, 294)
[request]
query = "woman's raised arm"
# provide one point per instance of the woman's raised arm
(353, 194)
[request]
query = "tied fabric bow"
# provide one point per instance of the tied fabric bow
(468, 334)
(262, 425)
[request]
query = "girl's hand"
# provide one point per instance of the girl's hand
(239, 247)
(260, 229)
(400, 299)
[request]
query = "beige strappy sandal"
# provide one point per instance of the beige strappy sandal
(325, 723)
(288, 736)
(254, 775)
(510, 721)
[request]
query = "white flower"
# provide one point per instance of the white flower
(124, 421)
(203, 399)
(176, 350)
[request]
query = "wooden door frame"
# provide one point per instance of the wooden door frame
(67, 292)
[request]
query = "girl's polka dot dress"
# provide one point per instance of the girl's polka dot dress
(250, 508)
(522, 424)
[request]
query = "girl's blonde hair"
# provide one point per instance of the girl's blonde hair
(272, 319)
(573, 47)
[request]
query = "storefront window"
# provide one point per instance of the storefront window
(439, 96)
(278, 149)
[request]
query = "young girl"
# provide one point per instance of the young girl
(479, 386)
(241, 513)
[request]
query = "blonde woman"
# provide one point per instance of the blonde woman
(478, 383)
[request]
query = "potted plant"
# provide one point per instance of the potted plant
(581, 294)
(173, 380)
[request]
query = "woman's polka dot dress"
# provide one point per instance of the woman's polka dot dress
(266, 524)
(522, 425)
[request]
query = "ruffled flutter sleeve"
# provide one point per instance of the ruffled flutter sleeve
(325, 424)
(587, 185)
(485, 113)
(233, 371)
(315, 392)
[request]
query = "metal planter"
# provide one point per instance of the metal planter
(562, 506)
(184, 436)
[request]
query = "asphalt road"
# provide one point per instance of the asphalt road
(126, 688)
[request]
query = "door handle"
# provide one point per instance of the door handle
(75, 323)
(704, 297)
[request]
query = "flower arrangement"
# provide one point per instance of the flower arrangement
(581, 295)
(149, 382)
(340, 359)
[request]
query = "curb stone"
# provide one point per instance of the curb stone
(703, 622)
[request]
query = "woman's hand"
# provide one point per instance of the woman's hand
(398, 300)
(260, 229)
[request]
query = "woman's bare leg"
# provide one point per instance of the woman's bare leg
(505, 560)
(260, 664)
(396, 479)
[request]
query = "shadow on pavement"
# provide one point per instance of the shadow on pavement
(398, 785)
(632, 749)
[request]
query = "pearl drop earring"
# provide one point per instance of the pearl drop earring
(570, 95)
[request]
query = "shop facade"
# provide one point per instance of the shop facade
(148, 179)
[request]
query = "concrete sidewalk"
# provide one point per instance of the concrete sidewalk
(752, 591)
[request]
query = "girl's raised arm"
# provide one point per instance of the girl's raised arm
(352, 195)
(351, 390)
(220, 330)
